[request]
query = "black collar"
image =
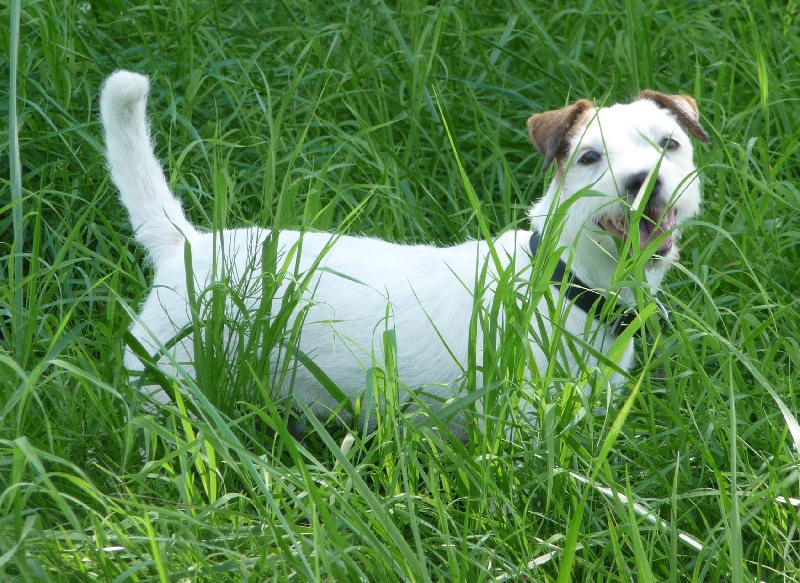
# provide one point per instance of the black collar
(584, 297)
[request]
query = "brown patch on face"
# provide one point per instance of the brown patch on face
(684, 108)
(550, 131)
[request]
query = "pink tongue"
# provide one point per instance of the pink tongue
(652, 227)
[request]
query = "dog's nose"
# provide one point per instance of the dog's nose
(635, 182)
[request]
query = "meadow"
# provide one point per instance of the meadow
(404, 121)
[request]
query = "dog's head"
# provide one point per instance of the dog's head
(624, 157)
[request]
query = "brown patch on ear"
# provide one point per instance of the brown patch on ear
(550, 131)
(684, 108)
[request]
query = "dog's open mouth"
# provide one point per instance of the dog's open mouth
(655, 222)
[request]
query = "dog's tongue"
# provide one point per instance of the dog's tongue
(652, 225)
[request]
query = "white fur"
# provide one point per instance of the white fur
(426, 291)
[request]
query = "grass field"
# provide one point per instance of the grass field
(335, 116)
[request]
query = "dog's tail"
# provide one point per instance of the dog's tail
(156, 215)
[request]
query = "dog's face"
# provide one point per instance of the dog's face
(623, 157)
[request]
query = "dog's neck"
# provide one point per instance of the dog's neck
(591, 301)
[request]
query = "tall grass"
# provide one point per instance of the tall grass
(406, 122)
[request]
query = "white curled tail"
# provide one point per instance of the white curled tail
(156, 215)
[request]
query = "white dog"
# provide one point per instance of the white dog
(613, 165)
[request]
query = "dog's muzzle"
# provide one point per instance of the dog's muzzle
(656, 220)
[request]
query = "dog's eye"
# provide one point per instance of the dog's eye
(668, 143)
(589, 158)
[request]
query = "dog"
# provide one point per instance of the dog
(624, 182)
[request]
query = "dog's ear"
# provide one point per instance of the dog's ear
(549, 131)
(685, 109)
